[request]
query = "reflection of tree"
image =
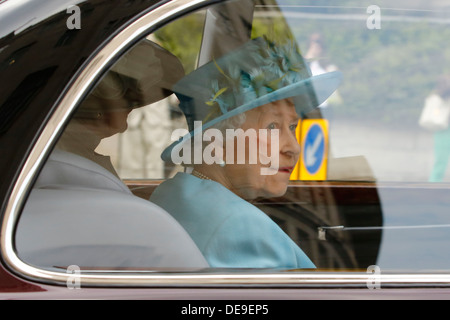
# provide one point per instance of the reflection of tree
(390, 69)
(304, 209)
(183, 38)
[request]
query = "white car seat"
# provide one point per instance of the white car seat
(78, 213)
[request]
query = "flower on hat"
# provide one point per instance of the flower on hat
(270, 68)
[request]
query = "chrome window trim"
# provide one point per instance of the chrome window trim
(155, 279)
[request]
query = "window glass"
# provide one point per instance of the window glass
(270, 134)
(392, 59)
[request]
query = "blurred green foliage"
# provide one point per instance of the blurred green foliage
(183, 38)
(388, 72)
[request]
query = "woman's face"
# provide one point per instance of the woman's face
(117, 121)
(114, 118)
(248, 180)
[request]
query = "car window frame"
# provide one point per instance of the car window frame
(92, 71)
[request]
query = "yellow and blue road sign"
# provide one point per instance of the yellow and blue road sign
(312, 135)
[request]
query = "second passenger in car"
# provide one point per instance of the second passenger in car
(143, 76)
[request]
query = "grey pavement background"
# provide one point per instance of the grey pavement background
(394, 153)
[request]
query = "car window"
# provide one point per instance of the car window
(141, 176)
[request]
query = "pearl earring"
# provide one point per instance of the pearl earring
(221, 163)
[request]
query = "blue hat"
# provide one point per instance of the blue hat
(255, 74)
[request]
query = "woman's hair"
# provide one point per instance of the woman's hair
(234, 122)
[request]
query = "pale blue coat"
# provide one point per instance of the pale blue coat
(229, 231)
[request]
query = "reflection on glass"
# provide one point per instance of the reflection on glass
(270, 66)
(436, 117)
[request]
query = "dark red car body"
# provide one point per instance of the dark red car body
(40, 58)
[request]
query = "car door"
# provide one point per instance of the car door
(360, 202)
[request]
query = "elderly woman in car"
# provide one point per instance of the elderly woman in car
(258, 92)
